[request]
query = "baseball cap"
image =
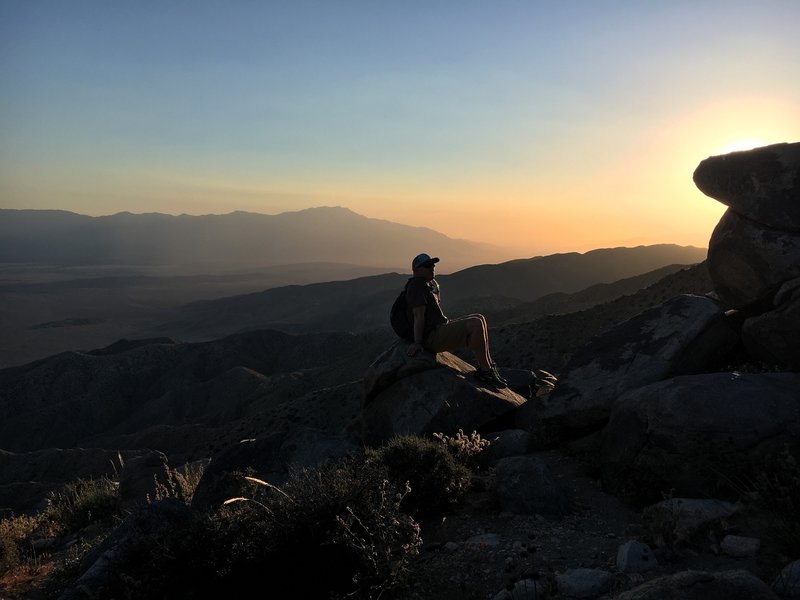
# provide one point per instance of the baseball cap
(423, 260)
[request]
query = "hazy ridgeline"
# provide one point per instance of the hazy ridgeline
(71, 282)
(237, 241)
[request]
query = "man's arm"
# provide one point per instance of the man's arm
(419, 329)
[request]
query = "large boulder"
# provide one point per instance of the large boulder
(695, 434)
(270, 459)
(761, 184)
(393, 365)
(687, 334)
(748, 261)
(525, 485)
(436, 400)
(774, 336)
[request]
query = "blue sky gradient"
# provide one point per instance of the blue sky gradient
(565, 116)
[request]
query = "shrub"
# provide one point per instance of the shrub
(181, 483)
(14, 532)
(344, 518)
(82, 502)
(436, 478)
(467, 449)
(331, 531)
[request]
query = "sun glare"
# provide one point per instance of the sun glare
(739, 145)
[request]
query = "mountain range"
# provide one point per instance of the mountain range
(70, 282)
(227, 243)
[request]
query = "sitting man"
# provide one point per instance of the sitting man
(435, 332)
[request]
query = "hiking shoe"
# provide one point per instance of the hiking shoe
(497, 374)
(491, 378)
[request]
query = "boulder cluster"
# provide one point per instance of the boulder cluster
(702, 390)
(754, 252)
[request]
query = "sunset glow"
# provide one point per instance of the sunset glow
(740, 145)
(542, 127)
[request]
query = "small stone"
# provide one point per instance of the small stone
(450, 547)
(635, 557)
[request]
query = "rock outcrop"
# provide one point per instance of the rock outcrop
(754, 251)
(695, 434)
(671, 419)
(687, 334)
(443, 397)
(748, 261)
(393, 365)
(773, 337)
(761, 184)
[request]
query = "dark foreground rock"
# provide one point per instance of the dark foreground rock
(695, 434)
(686, 334)
(748, 261)
(773, 337)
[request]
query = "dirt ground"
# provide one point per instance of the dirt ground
(474, 553)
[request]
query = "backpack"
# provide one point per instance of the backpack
(398, 317)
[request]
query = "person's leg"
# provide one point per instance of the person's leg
(485, 332)
(459, 333)
(470, 332)
(492, 365)
(477, 341)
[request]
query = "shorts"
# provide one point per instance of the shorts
(448, 337)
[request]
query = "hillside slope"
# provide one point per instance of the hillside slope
(363, 304)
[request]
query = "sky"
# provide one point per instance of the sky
(540, 126)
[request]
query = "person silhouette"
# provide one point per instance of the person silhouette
(434, 332)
